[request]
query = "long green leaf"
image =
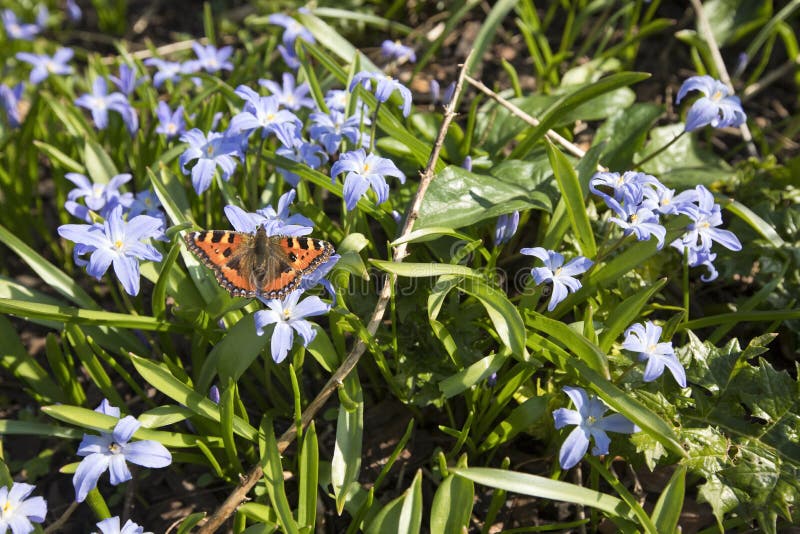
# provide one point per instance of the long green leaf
(424, 270)
(68, 314)
(273, 476)
(346, 462)
(52, 275)
(504, 315)
(308, 466)
(573, 196)
(667, 511)
(546, 488)
(166, 383)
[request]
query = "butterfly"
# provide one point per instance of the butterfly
(251, 265)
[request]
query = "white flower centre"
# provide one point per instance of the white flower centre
(651, 347)
(51, 65)
(557, 272)
(591, 420)
(171, 128)
(212, 62)
(210, 150)
(97, 191)
(98, 102)
(717, 96)
(114, 448)
(287, 314)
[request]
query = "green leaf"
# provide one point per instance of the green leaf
(16, 360)
(346, 462)
(161, 379)
(667, 511)
(572, 194)
(568, 102)
(273, 476)
(90, 419)
(68, 314)
(308, 474)
(99, 165)
(685, 163)
(572, 340)
(164, 416)
(403, 514)
(758, 224)
(424, 270)
(458, 198)
(504, 315)
(234, 353)
(452, 505)
(49, 273)
(58, 158)
(31, 428)
(468, 377)
(521, 418)
(545, 488)
(624, 134)
(730, 20)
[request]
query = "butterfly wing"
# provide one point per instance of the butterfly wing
(225, 253)
(288, 259)
(249, 265)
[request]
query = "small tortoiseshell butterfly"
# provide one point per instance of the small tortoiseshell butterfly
(250, 265)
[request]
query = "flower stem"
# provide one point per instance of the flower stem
(374, 127)
(659, 151)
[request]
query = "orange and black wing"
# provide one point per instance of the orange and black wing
(225, 253)
(294, 258)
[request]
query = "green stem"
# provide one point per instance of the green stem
(659, 151)
(374, 128)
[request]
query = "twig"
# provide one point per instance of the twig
(716, 55)
(550, 134)
(59, 523)
(251, 478)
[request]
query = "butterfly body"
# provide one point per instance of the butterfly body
(251, 265)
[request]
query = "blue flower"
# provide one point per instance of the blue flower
(702, 233)
(384, 87)
(127, 81)
(260, 112)
(365, 171)
(435, 92)
(330, 128)
(645, 340)
(209, 58)
(208, 152)
(111, 526)
(73, 11)
(147, 203)
(16, 29)
(17, 512)
(288, 316)
(561, 276)
(289, 95)
(99, 102)
(636, 216)
(98, 197)
(10, 99)
(42, 16)
(627, 183)
(170, 123)
(588, 416)
(213, 394)
(505, 228)
(274, 222)
(167, 71)
(716, 107)
(44, 65)
(292, 29)
(117, 242)
(295, 148)
(336, 100)
(398, 51)
(111, 451)
(668, 203)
